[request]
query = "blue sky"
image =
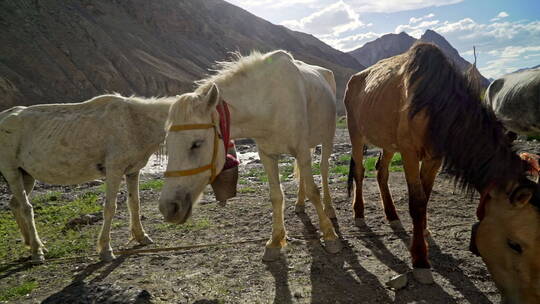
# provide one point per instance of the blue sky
(506, 33)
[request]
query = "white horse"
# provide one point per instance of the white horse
(108, 136)
(286, 105)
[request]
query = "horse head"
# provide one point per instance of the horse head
(508, 239)
(195, 150)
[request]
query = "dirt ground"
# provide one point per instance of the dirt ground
(234, 273)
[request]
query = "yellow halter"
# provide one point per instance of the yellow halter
(212, 165)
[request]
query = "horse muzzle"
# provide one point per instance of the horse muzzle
(176, 211)
(472, 243)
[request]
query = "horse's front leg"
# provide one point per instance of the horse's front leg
(277, 241)
(418, 211)
(329, 235)
(20, 185)
(104, 248)
(135, 225)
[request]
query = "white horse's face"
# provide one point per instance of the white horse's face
(188, 150)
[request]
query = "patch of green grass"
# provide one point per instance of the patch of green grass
(50, 196)
(258, 174)
(316, 168)
(286, 172)
(155, 184)
(341, 123)
(242, 181)
(51, 217)
(396, 165)
(247, 189)
(17, 291)
(530, 137)
(190, 225)
(340, 169)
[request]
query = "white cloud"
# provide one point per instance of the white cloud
(392, 6)
(503, 47)
(417, 26)
(270, 3)
(351, 42)
(333, 20)
(414, 20)
(379, 6)
(500, 16)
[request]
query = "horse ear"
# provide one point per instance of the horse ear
(212, 97)
(521, 196)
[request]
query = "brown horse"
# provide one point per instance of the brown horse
(419, 105)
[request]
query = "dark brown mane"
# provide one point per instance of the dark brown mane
(461, 129)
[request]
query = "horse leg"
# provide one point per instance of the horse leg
(104, 248)
(357, 142)
(300, 205)
(135, 225)
(277, 241)
(326, 150)
(329, 235)
(23, 211)
(428, 173)
(29, 182)
(382, 179)
(417, 210)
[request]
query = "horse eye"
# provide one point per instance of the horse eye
(514, 246)
(196, 144)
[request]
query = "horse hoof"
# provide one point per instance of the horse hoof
(222, 203)
(271, 254)
(330, 212)
(332, 246)
(145, 240)
(398, 282)
(106, 256)
(360, 222)
(300, 208)
(396, 225)
(423, 275)
(38, 258)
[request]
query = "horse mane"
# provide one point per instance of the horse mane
(227, 70)
(461, 129)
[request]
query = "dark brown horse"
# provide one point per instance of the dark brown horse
(419, 105)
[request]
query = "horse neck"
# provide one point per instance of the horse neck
(156, 112)
(246, 112)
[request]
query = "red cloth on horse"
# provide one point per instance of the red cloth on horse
(225, 127)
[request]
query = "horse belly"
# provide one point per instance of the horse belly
(61, 168)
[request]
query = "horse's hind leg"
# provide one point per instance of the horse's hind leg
(104, 240)
(20, 184)
(329, 235)
(417, 209)
(326, 151)
(277, 241)
(382, 178)
(135, 225)
(357, 142)
(300, 205)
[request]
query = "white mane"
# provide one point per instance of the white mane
(227, 70)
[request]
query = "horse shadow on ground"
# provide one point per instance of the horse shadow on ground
(14, 267)
(340, 278)
(444, 264)
(81, 291)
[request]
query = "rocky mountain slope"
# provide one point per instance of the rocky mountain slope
(68, 51)
(394, 44)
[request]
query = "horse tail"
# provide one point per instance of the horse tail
(351, 179)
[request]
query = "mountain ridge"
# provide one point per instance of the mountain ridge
(70, 51)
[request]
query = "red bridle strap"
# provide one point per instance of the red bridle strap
(224, 127)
